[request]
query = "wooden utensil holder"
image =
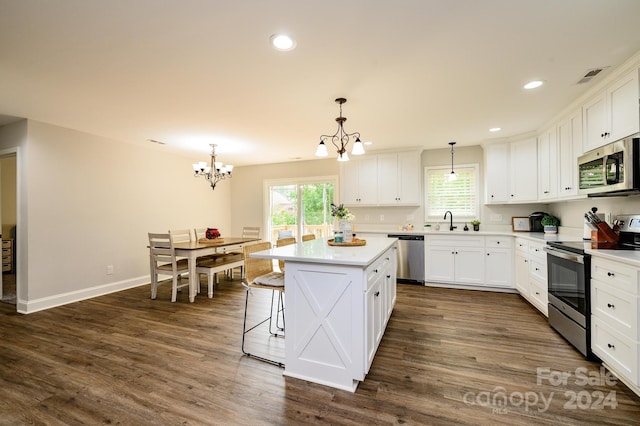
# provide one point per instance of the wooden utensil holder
(604, 234)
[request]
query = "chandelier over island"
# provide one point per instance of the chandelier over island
(340, 139)
(214, 172)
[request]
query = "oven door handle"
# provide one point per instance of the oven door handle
(564, 255)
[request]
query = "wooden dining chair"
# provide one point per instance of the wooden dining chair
(308, 237)
(164, 262)
(259, 274)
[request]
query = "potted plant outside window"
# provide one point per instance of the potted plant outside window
(476, 224)
(550, 224)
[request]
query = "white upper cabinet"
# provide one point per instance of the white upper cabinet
(390, 179)
(569, 149)
(511, 172)
(497, 173)
(548, 164)
(399, 178)
(524, 171)
(359, 181)
(613, 114)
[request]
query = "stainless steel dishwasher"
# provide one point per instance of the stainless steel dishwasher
(410, 258)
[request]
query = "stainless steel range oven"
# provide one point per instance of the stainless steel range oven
(569, 274)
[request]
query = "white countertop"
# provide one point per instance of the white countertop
(631, 257)
(319, 251)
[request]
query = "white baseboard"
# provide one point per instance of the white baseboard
(36, 305)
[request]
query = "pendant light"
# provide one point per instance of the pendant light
(453, 175)
(340, 139)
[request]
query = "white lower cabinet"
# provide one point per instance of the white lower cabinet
(380, 297)
(469, 260)
(452, 259)
(499, 262)
(531, 273)
(615, 321)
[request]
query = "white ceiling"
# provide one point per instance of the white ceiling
(194, 72)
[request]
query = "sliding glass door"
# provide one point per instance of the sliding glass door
(299, 206)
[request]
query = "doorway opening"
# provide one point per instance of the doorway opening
(8, 219)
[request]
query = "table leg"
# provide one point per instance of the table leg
(193, 276)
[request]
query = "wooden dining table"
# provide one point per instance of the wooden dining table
(192, 250)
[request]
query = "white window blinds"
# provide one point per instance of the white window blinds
(460, 195)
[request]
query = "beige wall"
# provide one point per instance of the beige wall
(87, 202)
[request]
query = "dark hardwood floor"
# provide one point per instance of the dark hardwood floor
(449, 357)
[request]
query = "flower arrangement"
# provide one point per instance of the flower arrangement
(341, 212)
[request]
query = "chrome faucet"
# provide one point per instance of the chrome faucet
(451, 227)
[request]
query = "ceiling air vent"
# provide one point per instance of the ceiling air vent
(590, 74)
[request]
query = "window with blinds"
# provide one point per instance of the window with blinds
(460, 196)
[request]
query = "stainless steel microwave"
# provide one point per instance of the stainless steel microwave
(611, 170)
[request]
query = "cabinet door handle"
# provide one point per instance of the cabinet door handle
(375, 270)
(611, 306)
(488, 254)
(537, 269)
(611, 346)
(537, 293)
(388, 276)
(376, 294)
(526, 261)
(611, 274)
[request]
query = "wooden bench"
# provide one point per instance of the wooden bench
(211, 267)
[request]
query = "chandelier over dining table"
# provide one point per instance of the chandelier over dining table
(340, 139)
(213, 172)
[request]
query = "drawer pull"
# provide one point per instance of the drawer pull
(537, 293)
(375, 270)
(497, 242)
(611, 306)
(611, 274)
(611, 346)
(377, 293)
(388, 276)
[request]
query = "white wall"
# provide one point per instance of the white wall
(90, 202)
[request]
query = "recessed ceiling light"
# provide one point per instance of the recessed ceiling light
(282, 42)
(368, 143)
(533, 84)
(495, 129)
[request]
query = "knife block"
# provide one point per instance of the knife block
(604, 234)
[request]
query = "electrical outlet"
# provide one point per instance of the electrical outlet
(409, 217)
(496, 217)
(109, 269)
(366, 217)
(381, 218)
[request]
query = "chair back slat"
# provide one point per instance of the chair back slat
(181, 235)
(251, 232)
(308, 237)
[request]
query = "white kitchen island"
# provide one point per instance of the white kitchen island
(337, 304)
